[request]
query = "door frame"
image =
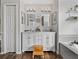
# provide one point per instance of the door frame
(3, 42)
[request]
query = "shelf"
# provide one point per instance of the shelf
(72, 18)
(73, 12)
(73, 15)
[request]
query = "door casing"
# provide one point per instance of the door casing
(3, 42)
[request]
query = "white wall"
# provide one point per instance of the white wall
(41, 2)
(38, 1)
(67, 27)
(10, 1)
(22, 11)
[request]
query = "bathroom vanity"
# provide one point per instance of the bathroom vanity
(68, 46)
(67, 52)
(47, 39)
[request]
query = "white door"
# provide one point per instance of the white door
(10, 28)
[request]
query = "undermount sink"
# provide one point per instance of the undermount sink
(75, 45)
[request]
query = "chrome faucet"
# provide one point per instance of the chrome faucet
(74, 42)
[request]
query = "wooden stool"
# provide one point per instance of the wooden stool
(38, 51)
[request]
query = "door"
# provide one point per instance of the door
(10, 28)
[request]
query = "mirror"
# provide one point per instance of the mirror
(41, 21)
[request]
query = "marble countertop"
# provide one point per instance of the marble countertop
(73, 48)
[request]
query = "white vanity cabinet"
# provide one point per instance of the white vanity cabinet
(47, 39)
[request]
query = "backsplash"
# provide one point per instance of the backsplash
(66, 38)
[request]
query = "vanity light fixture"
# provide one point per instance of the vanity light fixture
(38, 10)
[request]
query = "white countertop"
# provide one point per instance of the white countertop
(73, 48)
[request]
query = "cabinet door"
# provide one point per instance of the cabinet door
(27, 41)
(52, 41)
(39, 35)
(46, 41)
(49, 41)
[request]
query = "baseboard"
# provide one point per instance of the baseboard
(10, 52)
(2, 53)
(44, 51)
(19, 52)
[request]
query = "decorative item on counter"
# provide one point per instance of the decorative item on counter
(76, 8)
(38, 30)
(42, 18)
(73, 42)
(71, 18)
(75, 17)
(26, 30)
(51, 30)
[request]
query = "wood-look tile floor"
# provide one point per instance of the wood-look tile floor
(28, 55)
